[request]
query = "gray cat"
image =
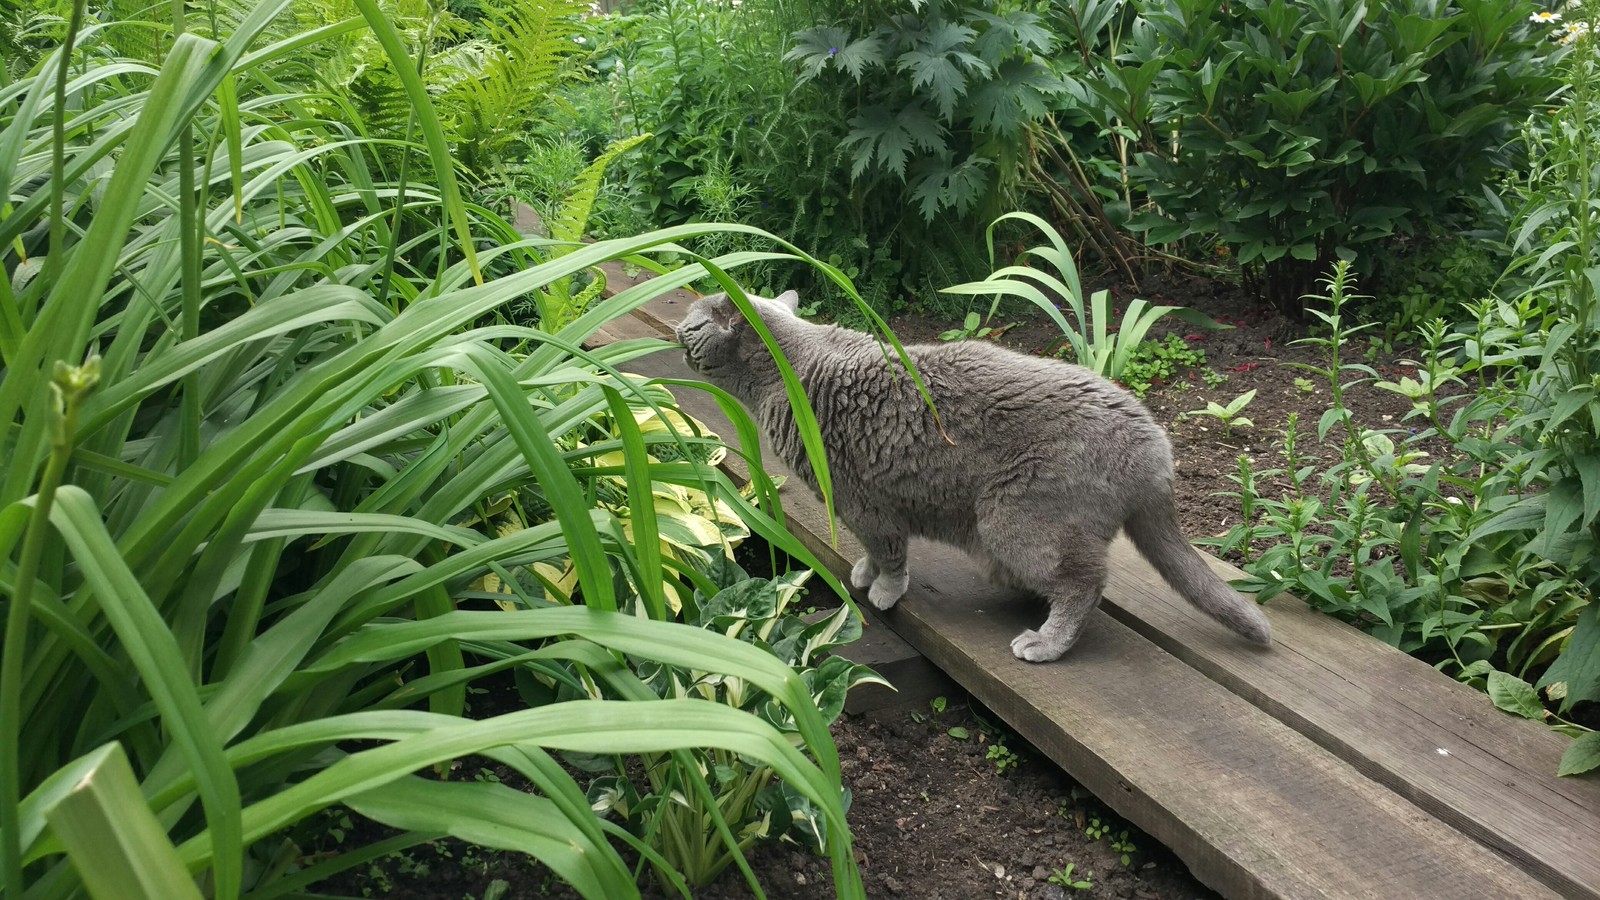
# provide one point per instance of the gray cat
(1044, 462)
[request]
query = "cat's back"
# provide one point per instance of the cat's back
(996, 382)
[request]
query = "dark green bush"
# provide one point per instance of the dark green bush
(1300, 133)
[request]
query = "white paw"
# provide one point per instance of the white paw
(1030, 646)
(861, 576)
(888, 589)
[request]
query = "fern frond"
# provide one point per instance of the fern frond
(572, 218)
(493, 91)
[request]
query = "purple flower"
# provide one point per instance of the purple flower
(833, 51)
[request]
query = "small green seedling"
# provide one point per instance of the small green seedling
(938, 704)
(1304, 385)
(1228, 415)
(1067, 879)
(1004, 758)
(1096, 829)
(1212, 377)
(959, 733)
(1124, 845)
(972, 327)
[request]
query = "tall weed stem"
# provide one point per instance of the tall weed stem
(70, 386)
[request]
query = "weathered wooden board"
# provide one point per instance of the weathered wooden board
(1253, 807)
(1440, 744)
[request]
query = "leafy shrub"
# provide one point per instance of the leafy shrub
(877, 154)
(944, 92)
(1157, 362)
(731, 137)
(268, 442)
(1435, 277)
(1299, 133)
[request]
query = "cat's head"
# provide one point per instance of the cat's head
(720, 345)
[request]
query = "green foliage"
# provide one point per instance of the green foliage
(1481, 561)
(1094, 342)
(1067, 878)
(746, 794)
(734, 135)
(972, 326)
(1003, 757)
(943, 92)
(1123, 845)
(491, 77)
(1229, 414)
(1432, 280)
(1157, 362)
(1301, 133)
(281, 485)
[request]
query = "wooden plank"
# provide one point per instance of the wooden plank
(624, 328)
(1438, 743)
(1254, 808)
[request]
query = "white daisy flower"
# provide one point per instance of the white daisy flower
(1545, 18)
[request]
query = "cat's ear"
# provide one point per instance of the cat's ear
(720, 308)
(789, 299)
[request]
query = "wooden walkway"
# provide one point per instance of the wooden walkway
(1329, 765)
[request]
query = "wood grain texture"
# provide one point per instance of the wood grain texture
(1253, 807)
(1389, 715)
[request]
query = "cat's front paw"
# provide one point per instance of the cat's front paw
(862, 575)
(1031, 646)
(888, 589)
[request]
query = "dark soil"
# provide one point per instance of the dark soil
(932, 815)
(933, 819)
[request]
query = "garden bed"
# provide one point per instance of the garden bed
(934, 816)
(938, 814)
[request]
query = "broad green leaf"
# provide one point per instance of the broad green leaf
(1579, 663)
(113, 840)
(1514, 695)
(1582, 755)
(493, 815)
(156, 655)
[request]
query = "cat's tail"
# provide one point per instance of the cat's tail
(1154, 530)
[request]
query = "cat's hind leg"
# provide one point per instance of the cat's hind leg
(1066, 564)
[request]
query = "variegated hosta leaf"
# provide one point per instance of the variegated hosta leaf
(614, 793)
(806, 825)
(672, 421)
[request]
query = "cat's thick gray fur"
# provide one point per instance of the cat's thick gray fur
(1045, 462)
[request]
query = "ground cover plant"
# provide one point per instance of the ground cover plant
(283, 481)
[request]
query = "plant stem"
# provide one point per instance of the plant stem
(189, 247)
(56, 258)
(70, 385)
